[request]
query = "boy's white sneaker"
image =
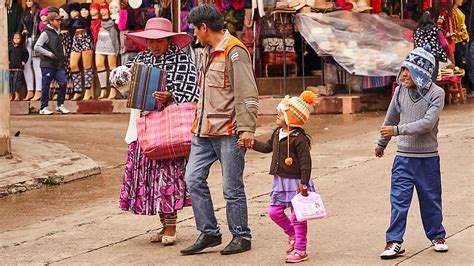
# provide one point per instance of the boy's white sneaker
(62, 109)
(392, 250)
(439, 245)
(45, 111)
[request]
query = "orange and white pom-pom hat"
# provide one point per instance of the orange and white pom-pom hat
(296, 110)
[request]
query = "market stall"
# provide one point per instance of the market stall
(368, 47)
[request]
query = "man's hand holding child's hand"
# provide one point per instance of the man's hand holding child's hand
(246, 140)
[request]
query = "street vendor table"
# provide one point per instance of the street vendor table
(453, 89)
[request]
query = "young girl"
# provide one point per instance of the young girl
(17, 57)
(291, 167)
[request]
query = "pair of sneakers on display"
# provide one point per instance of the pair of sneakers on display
(393, 249)
(60, 109)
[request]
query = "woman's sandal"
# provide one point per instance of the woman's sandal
(168, 240)
(156, 238)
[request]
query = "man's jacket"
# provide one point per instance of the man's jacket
(228, 101)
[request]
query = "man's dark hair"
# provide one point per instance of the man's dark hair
(52, 16)
(207, 14)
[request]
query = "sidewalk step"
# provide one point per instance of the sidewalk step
(36, 162)
(337, 104)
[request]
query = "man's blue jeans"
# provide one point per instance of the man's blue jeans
(424, 175)
(204, 152)
(48, 75)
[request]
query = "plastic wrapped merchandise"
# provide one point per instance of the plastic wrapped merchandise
(363, 44)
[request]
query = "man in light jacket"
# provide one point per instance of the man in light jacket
(227, 112)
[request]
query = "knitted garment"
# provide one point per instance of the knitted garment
(182, 76)
(296, 110)
(112, 39)
(460, 26)
(420, 63)
(428, 35)
(417, 121)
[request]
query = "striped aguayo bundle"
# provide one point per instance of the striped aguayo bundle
(145, 81)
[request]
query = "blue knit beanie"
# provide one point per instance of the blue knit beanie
(420, 63)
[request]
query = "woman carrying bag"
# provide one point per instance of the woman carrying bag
(158, 186)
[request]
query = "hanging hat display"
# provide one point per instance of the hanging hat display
(135, 4)
(238, 4)
(104, 5)
(296, 4)
(75, 6)
(43, 12)
(114, 8)
(343, 4)
(66, 8)
(85, 6)
(363, 6)
(95, 6)
(320, 4)
(283, 7)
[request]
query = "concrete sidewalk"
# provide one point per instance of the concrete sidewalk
(37, 162)
(354, 186)
(337, 104)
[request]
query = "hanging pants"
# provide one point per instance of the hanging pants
(424, 175)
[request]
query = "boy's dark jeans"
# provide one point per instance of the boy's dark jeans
(48, 75)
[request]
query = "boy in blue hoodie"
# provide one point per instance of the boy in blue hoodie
(413, 115)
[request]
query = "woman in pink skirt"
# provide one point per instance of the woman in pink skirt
(158, 186)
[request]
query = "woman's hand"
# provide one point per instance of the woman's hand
(162, 96)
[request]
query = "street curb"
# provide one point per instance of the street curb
(36, 163)
(338, 104)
